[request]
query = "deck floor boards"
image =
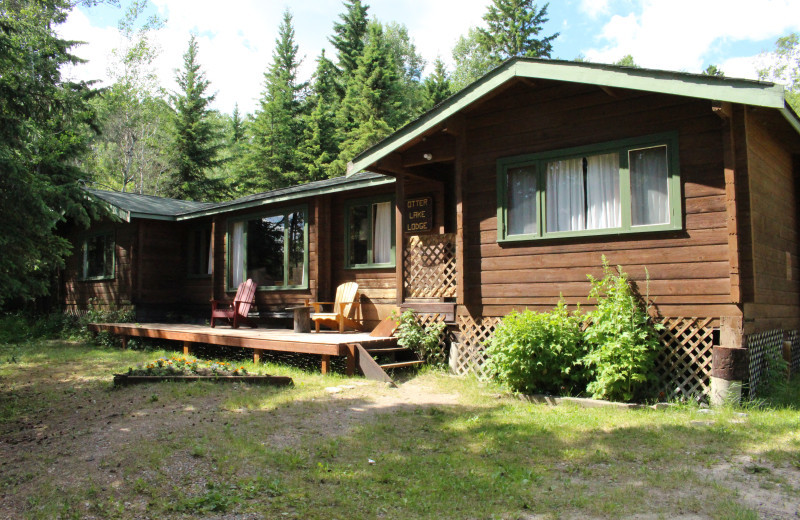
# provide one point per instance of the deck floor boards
(285, 340)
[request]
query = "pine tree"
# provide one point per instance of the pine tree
(627, 61)
(373, 105)
(321, 138)
(713, 70)
(349, 35)
(45, 123)
(237, 126)
(437, 85)
(513, 30)
(409, 64)
(197, 139)
(272, 160)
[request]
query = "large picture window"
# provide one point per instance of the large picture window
(271, 249)
(618, 187)
(98, 257)
(369, 233)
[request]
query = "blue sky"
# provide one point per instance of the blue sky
(236, 37)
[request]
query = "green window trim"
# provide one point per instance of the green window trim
(191, 248)
(622, 147)
(254, 216)
(368, 201)
(109, 241)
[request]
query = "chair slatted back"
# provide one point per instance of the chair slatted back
(245, 296)
(346, 293)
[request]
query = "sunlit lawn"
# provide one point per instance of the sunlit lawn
(73, 447)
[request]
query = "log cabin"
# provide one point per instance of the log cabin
(504, 197)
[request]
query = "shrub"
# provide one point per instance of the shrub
(621, 340)
(537, 352)
(424, 341)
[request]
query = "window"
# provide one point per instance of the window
(98, 257)
(201, 261)
(619, 187)
(271, 249)
(369, 233)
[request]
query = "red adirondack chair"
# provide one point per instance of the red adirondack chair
(236, 314)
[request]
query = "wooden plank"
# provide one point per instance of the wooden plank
(400, 197)
(370, 368)
(459, 127)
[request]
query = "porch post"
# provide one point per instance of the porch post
(459, 126)
(399, 203)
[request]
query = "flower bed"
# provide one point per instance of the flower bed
(186, 370)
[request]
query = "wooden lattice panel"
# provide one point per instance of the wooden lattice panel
(683, 364)
(429, 319)
(794, 338)
(469, 355)
(760, 347)
(429, 266)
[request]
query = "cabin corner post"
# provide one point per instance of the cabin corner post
(399, 205)
(213, 245)
(732, 215)
(459, 128)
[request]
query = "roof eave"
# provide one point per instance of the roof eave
(284, 198)
(662, 82)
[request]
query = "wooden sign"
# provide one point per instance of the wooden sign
(419, 215)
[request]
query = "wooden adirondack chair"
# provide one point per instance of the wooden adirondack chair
(346, 310)
(236, 314)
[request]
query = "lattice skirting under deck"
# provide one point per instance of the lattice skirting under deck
(761, 348)
(683, 365)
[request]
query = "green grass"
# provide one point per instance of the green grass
(75, 447)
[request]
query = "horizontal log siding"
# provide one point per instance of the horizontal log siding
(774, 221)
(689, 270)
(161, 266)
(376, 286)
(78, 293)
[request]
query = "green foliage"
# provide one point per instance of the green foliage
(537, 352)
(513, 28)
(373, 105)
(276, 131)
(472, 60)
(437, 86)
(713, 70)
(424, 341)
(627, 61)
(321, 137)
(775, 380)
(621, 339)
(196, 138)
(783, 66)
(348, 37)
(45, 123)
(182, 366)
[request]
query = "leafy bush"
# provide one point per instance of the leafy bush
(20, 327)
(424, 341)
(537, 352)
(77, 327)
(621, 340)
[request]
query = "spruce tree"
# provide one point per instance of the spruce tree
(321, 137)
(197, 139)
(437, 85)
(272, 159)
(45, 124)
(373, 105)
(513, 28)
(349, 35)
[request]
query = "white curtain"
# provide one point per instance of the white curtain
(237, 254)
(649, 190)
(521, 211)
(602, 192)
(210, 253)
(382, 239)
(564, 195)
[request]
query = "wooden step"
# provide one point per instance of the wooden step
(387, 350)
(401, 364)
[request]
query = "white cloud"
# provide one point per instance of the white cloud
(678, 34)
(594, 8)
(741, 67)
(236, 39)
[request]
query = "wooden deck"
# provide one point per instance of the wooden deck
(325, 344)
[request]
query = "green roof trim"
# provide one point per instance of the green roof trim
(127, 205)
(733, 90)
(311, 189)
